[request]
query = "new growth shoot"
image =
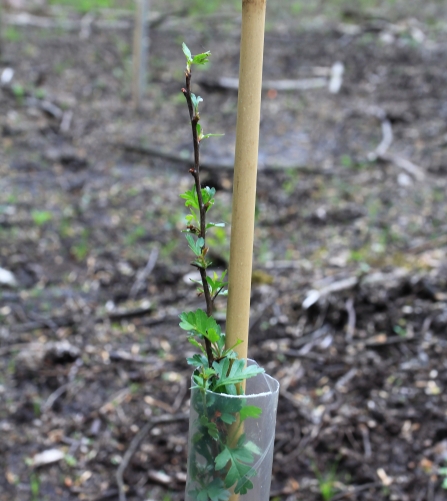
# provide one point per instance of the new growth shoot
(222, 456)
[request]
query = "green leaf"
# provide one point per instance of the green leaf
(201, 58)
(231, 374)
(195, 245)
(208, 194)
(194, 217)
(222, 459)
(188, 320)
(249, 446)
(230, 353)
(191, 198)
(195, 102)
(201, 263)
(187, 52)
(197, 360)
(212, 335)
(204, 322)
(40, 217)
(202, 495)
(228, 418)
(239, 459)
(206, 136)
(208, 372)
(245, 484)
(217, 284)
(200, 382)
(210, 426)
(195, 343)
(198, 322)
(215, 225)
(249, 411)
(199, 130)
(227, 406)
(215, 491)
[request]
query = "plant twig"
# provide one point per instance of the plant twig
(195, 172)
(136, 441)
(382, 153)
(142, 275)
(350, 329)
(366, 442)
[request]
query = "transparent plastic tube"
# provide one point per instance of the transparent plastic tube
(230, 454)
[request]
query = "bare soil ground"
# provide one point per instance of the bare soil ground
(350, 276)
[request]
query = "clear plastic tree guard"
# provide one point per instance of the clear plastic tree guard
(231, 440)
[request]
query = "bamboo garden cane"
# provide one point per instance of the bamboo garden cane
(245, 174)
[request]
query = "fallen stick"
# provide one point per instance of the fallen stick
(229, 83)
(46, 106)
(39, 323)
(346, 284)
(405, 165)
(143, 274)
(25, 19)
(217, 163)
(387, 134)
(381, 152)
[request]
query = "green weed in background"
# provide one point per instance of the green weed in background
(81, 248)
(443, 473)
(326, 482)
(19, 93)
(12, 34)
(136, 234)
(346, 10)
(35, 487)
(86, 5)
(41, 217)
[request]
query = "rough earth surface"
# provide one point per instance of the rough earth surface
(349, 298)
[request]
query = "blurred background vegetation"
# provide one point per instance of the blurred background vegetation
(337, 9)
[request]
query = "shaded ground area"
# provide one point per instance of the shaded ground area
(350, 276)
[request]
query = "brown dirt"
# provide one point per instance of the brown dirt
(363, 369)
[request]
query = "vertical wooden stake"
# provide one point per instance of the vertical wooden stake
(245, 173)
(140, 51)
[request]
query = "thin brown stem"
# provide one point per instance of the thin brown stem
(195, 172)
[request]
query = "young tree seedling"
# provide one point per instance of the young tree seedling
(222, 457)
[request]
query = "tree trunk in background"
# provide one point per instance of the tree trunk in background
(140, 52)
(1, 29)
